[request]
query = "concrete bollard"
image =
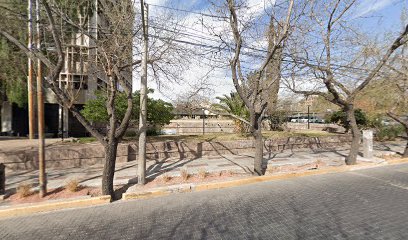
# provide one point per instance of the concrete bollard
(2, 179)
(368, 144)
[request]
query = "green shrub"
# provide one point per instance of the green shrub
(277, 120)
(152, 132)
(131, 134)
(159, 112)
(340, 117)
(389, 133)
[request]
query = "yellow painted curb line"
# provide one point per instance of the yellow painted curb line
(45, 207)
(397, 161)
(144, 195)
(251, 180)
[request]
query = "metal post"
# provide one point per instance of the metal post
(62, 122)
(2, 179)
(30, 85)
(143, 98)
(40, 113)
(308, 116)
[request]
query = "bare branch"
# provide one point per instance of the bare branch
(399, 41)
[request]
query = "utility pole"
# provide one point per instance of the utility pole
(40, 113)
(143, 98)
(31, 111)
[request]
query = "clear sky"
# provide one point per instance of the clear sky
(375, 17)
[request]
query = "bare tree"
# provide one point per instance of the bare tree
(399, 76)
(334, 53)
(113, 41)
(252, 87)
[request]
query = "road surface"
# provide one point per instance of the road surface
(364, 204)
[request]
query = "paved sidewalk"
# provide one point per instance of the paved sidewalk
(126, 173)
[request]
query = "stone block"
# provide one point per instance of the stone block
(368, 144)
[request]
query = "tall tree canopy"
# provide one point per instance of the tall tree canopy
(13, 62)
(159, 112)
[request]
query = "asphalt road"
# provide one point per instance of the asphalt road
(365, 204)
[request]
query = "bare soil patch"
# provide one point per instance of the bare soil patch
(53, 194)
(193, 178)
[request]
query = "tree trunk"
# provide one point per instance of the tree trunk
(273, 76)
(109, 168)
(351, 159)
(405, 125)
(258, 160)
(405, 154)
(257, 134)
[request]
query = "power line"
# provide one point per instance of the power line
(247, 47)
(186, 33)
(193, 36)
(185, 42)
(189, 11)
(205, 37)
(248, 54)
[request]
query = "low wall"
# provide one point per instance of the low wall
(78, 155)
(195, 126)
(316, 126)
(61, 156)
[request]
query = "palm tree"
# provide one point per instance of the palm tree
(233, 105)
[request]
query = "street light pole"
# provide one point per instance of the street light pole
(205, 113)
(143, 97)
(308, 116)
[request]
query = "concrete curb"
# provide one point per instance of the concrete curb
(46, 207)
(398, 161)
(163, 191)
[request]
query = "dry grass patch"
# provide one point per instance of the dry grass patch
(389, 156)
(24, 190)
(273, 169)
(184, 174)
(202, 173)
(238, 136)
(166, 177)
(73, 185)
(319, 163)
(231, 172)
(226, 173)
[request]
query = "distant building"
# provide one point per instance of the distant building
(14, 120)
(80, 77)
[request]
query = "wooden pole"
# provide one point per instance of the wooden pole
(40, 113)
(30, 81)
(143, 98)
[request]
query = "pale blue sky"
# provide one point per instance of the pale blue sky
(376, 17)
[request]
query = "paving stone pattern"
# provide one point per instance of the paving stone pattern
(364, 204)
